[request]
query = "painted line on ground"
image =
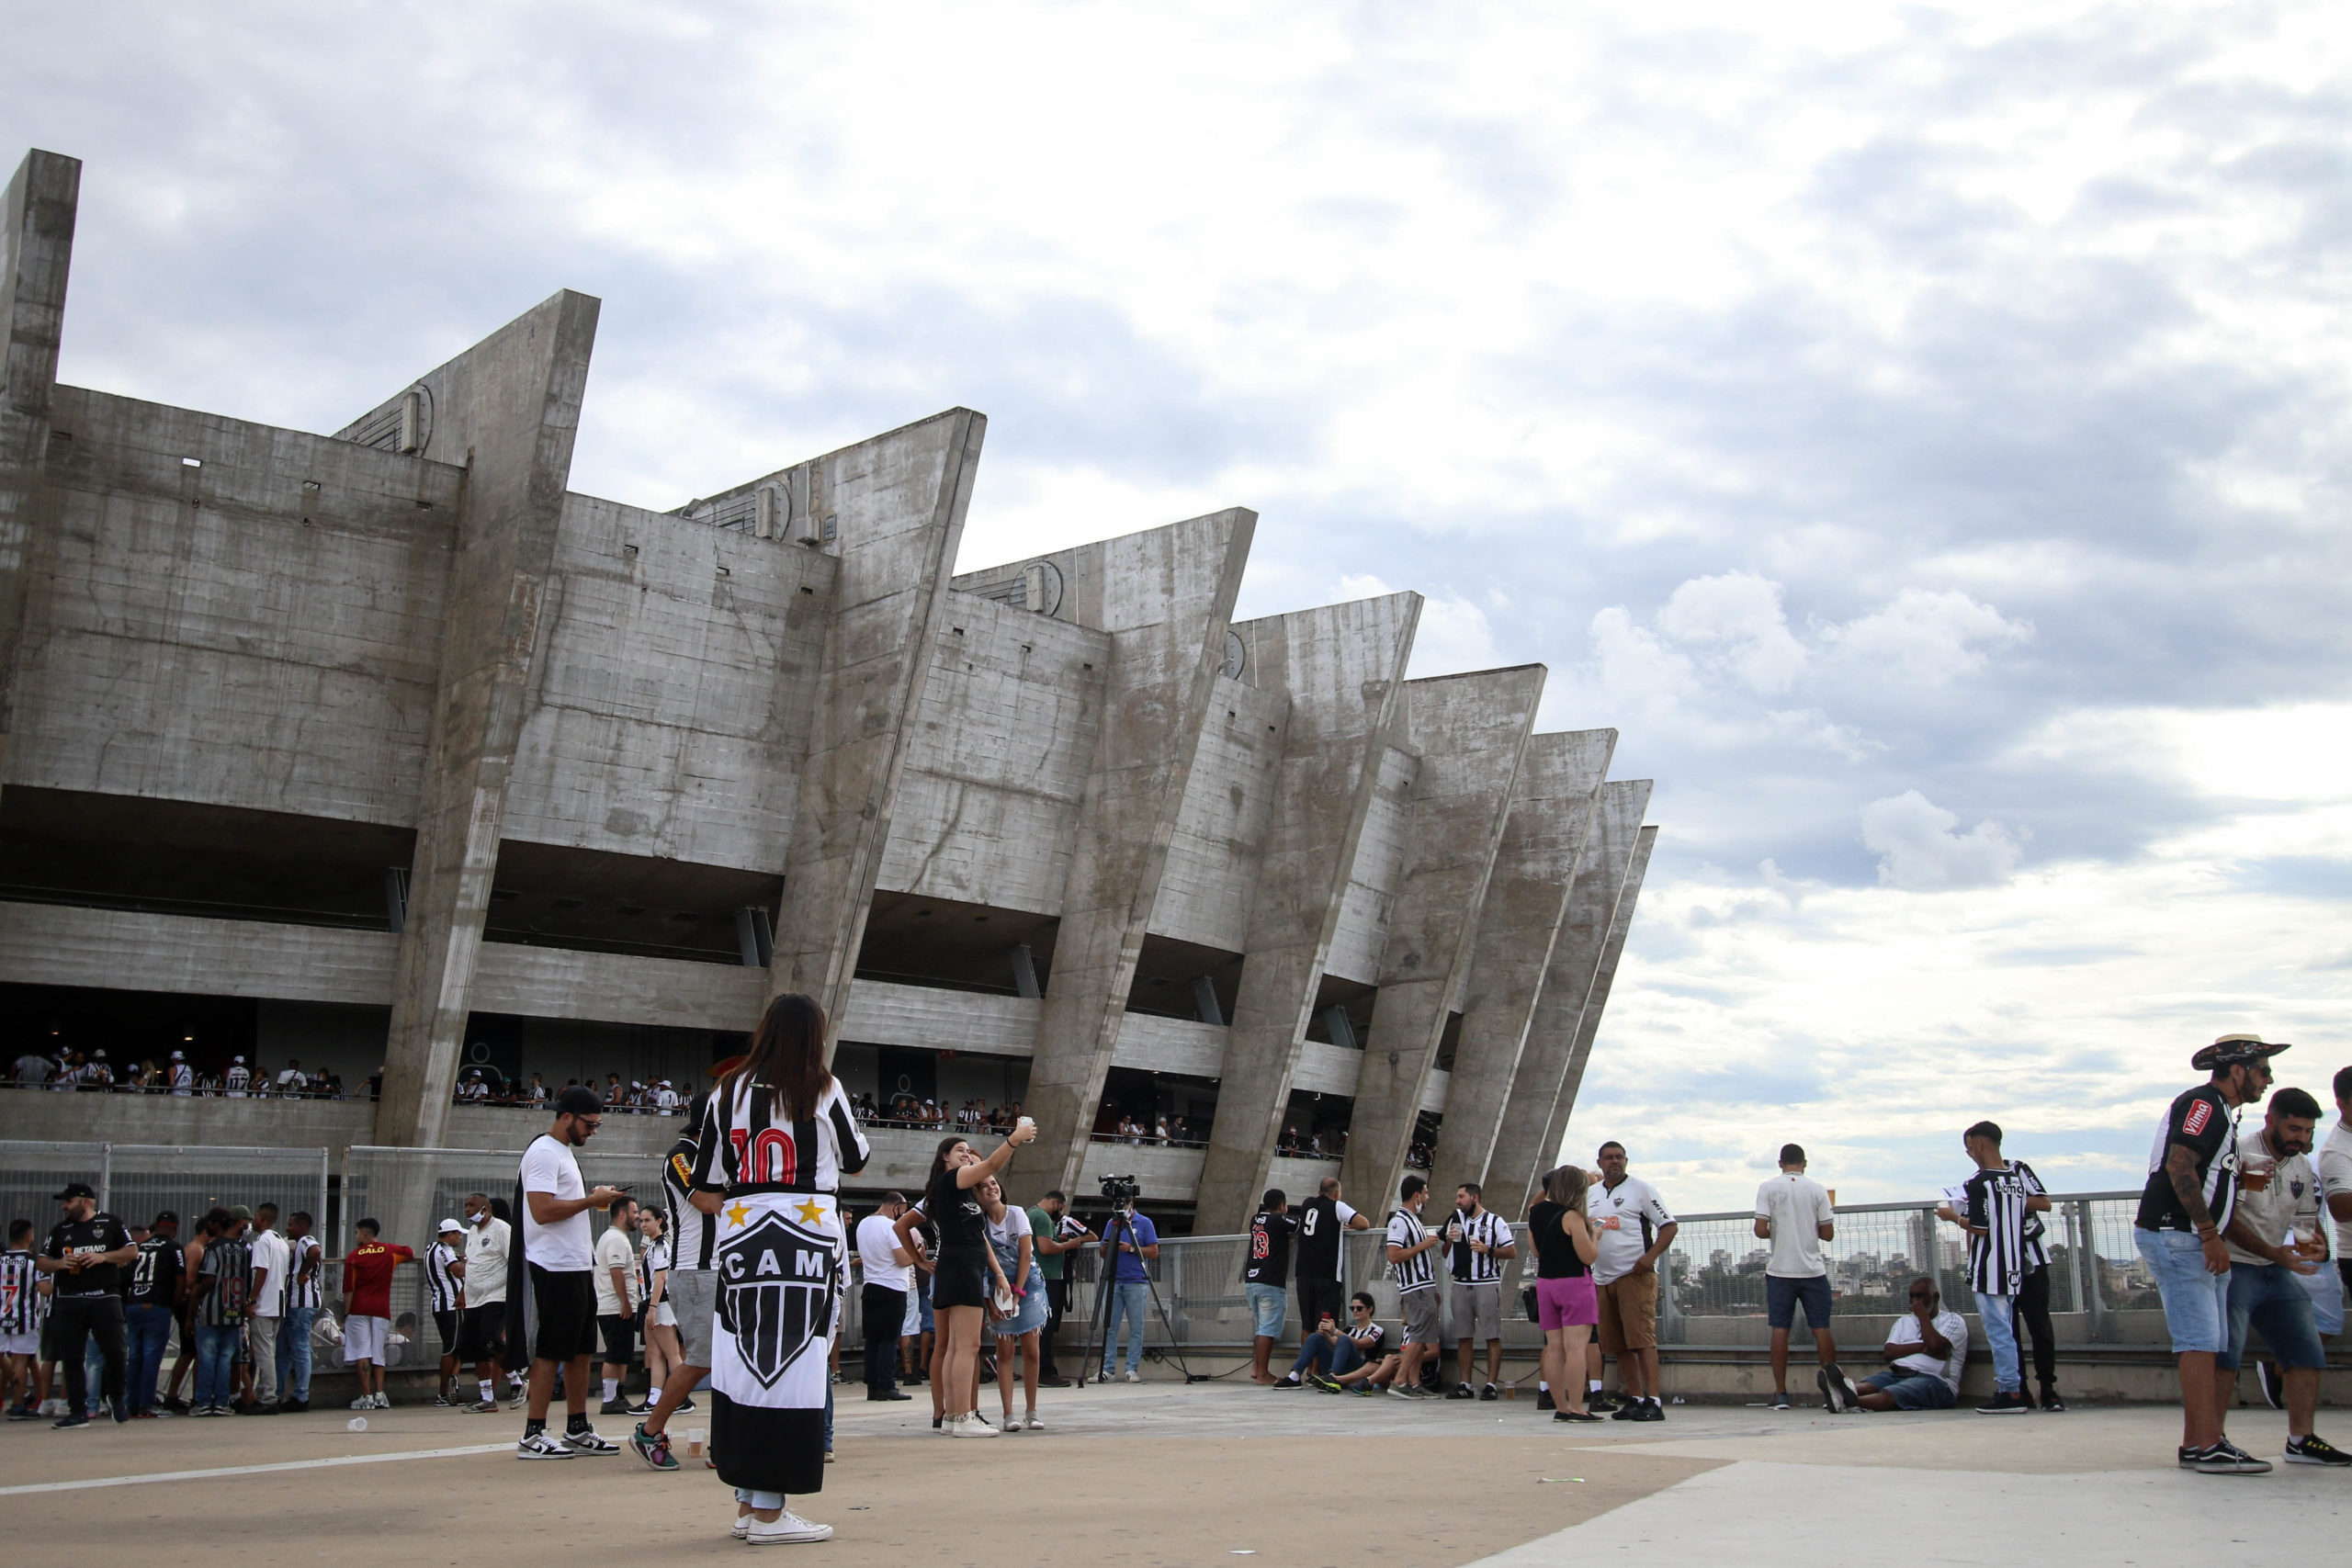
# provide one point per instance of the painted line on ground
(252, 1469)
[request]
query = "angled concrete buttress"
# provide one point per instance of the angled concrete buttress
(1166, 597)
(896, 505)
(1527, 899)
(1471, 732)
(1588, 1024)
(36, 253)
(508, 410)
(1342, 667)
(1520, 1152)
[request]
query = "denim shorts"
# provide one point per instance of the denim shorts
(1914, 1390)
(2272, 1297)
(1781, 1295)
(1268, 1305)
(2196, 1304)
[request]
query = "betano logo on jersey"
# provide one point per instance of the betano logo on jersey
(776, 1293)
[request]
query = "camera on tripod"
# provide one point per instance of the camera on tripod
(1121, 1191)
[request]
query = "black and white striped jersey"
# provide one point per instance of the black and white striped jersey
(693, 1236)
(1417, 1272)
(440, 1281)
(740, 1147)
(22, 1306)
(2203, 1121)
(302, 1291)
(1471, 1268)
(1997, 1259)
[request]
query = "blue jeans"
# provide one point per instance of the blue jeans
(215, 1357)
(2000, 1315)
(1320, 1355)
(94, 1372)
(2272, 1297)
(2196, 1304)
(1126, 1300)
(146, 1329)
(1268, 1305)
(294, 1354)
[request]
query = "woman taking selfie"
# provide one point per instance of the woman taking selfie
(1013, 1265)
(1567, 1305)
(961, 1278)
(774, 1140)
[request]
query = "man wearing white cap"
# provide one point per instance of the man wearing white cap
(182, 1079)
(240, 1077)
(444, 1274)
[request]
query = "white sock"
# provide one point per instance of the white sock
(489, 1390)
(653, 1395)
(1542, 1387)
(612, 1387)
(1593, 1385)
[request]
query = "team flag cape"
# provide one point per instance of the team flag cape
(780, 1266)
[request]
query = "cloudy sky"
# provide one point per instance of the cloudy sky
(1921, 432)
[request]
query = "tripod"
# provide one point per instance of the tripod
(1099, 1320)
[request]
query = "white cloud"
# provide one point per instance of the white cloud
(1738, 617)
(1919, 852)
(1925, 637)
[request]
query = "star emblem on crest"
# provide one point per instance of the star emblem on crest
(738, 1213)
(811, 1211)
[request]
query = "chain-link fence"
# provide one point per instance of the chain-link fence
(136, 1181)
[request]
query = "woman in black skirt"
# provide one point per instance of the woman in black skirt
(960, 1288)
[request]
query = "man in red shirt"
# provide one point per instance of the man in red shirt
(367, 1310)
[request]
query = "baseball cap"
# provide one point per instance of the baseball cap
(167, 1217)
(240, 1211)
(177, 1057)
(449, 1226)
(2232, 1049)
(579, 1100)
(238, 1061)
(77, 1190)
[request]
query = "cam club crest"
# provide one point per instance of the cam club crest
(775, 1297)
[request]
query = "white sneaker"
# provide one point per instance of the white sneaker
(742, 1527)
(365, 1401)
(1135, 1377)
(1009, 1424)
(1034, 1424)
(786, 1528)
(965, 1425)
(383, 1402)
(541, 1445)
(588, 1442)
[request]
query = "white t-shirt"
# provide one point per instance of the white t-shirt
(2334, 1164)
(1949, 1323)
(567, 1247)
(1617, 1214)
(270, 1252)
(612, 1251)
(1008, 1231)
(1798, 1207)
(486, 1246)
(877, 1243)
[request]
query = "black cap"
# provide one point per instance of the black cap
(166, 1217)
(2232, 1049)
(578, 1101)
(77, 1190)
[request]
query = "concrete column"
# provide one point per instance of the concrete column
(1521, 1152)
(36, 255)
(1471, 732)
(1527, 899)
(1343, 667)
(1166, 597)
(1588, 1024)
(896, 505)
(507, 410)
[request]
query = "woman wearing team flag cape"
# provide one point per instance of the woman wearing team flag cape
(776, 1136)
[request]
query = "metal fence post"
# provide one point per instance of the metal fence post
(2083, 1241)
(105, 1176)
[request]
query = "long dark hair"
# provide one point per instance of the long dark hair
(939, 1156)
(786, 1057)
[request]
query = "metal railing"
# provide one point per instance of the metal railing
(136, 1180)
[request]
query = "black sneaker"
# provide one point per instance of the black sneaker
(2225, 1458)
(1628, 1412)
(68, 1423)
(1285, 1382)
(1575, 1416)
(2316, 1449)
(1463, 1391)
(613, 1407)
(1650, 1410)
(442, 1400)
(1601, 1403)
(2051, 1403)
(2007, 1402)
(1833, 1390)
(1490, 1392)
(2274, 1387)
(1779, 1400)
(2188, 1458)
(1543, 1399)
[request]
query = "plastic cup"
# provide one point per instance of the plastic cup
(357, 1424)
(695, 1435)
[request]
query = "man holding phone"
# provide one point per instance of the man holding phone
(559, 1257)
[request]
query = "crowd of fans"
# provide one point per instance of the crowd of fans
(93, 1073)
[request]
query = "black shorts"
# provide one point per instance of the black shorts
(481, 1332)
(566, 1304)
(447, 1322)
(620, 1338)
(960, 1279)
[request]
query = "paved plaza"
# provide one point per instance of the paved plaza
(1163, 1473)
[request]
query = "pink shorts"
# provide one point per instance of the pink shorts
(1564, 1304)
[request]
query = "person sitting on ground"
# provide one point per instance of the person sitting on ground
(1924, 1350)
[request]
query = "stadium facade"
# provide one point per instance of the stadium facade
(385, 750)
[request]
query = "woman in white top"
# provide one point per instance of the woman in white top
(663, 1351)
(1012, 1263)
